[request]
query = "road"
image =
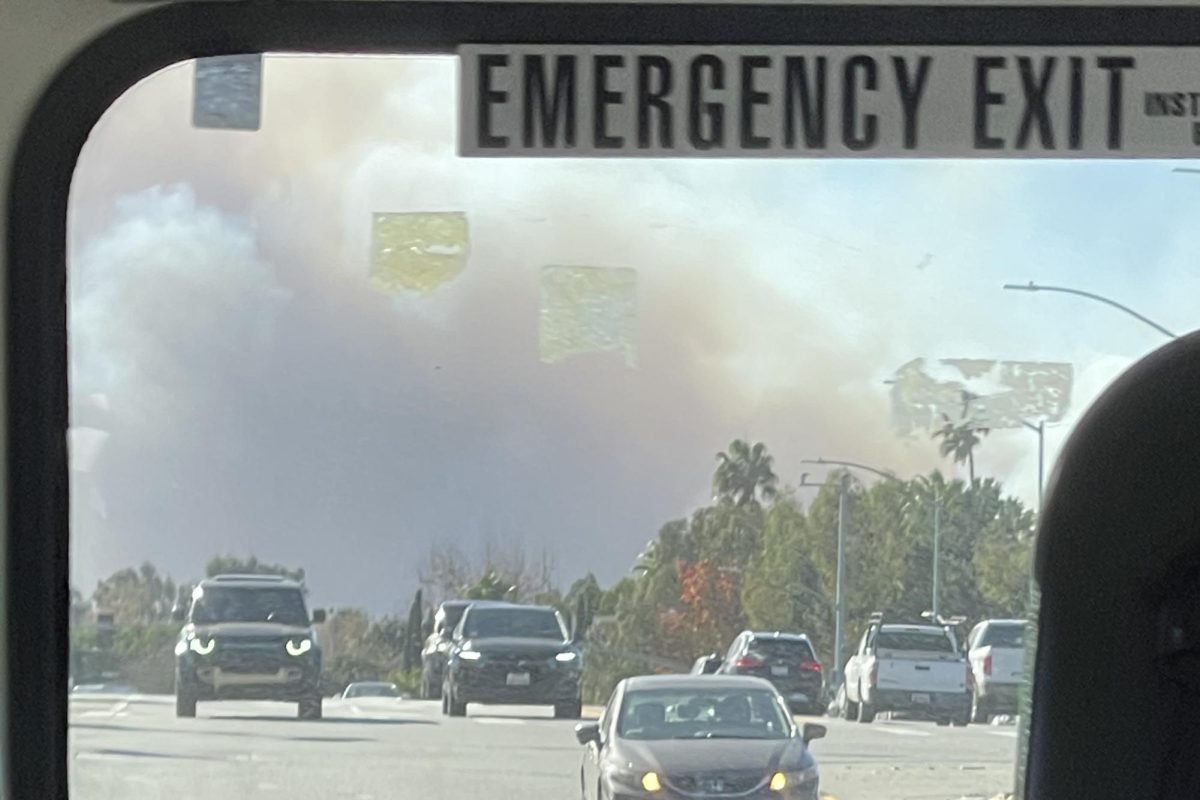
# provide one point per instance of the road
(133, 748)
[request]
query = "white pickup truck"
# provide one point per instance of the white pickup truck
(916, 670)
(996, 650)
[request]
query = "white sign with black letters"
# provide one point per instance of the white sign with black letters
(829, 102)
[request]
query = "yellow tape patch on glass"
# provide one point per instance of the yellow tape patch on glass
(417, 252)
(587, 310)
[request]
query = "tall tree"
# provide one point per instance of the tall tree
(411, 658)
(959, 439)
(490, 587)
(136, 596)
(744, 474)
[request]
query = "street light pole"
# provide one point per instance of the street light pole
(937, 544)
(839, 627)
(1033, 287)
(839, 603)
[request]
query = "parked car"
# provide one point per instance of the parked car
(706, 665)
(248, 637)
(996, 650)
(917, 670)
(363, 689)
(787, 660)
(513, 654)
(686, 736)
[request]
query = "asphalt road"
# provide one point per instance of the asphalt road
(133, 748)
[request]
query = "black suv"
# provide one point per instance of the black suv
(785, 659)
(513, 654)
(437, 646)
(248, 637)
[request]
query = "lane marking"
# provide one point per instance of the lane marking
(497, 721)
(902, 731)
(1006, 734)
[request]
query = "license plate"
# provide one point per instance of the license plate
(518, 679)
(779, 670)
(921, 698)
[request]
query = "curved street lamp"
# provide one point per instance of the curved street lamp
(1034, 287)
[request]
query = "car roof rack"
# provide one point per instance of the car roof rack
(234, 578)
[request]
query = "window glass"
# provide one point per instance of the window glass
(933, 641)
(1003, 636)
(308, 338)
(733, 714)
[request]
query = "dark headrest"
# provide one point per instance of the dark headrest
(1120, 529)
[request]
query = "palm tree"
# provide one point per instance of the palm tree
(959, 439)
(744, 474)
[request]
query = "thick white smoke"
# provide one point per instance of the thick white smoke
(265, 398)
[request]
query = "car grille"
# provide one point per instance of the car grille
(252, 656)
(718, 784)
(497, 666)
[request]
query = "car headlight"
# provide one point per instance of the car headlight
(203, 648)
(805, 779)
(566, 658)
(470, 655)
(637, 779)
(298, 647)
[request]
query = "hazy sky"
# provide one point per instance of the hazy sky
(261, 397)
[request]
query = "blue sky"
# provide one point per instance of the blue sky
(264, 398)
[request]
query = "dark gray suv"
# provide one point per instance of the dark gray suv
(248, 637)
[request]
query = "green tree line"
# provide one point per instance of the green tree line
(759, 555)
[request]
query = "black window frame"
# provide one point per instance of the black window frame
(43, 163)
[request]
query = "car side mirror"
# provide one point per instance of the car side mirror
(587, 732)
(812, 731)
(179, 613)
(318, 616)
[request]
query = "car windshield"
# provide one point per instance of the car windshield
(373, 690)
(453, 615)
(703, 714)
(485, 623)
(235, 604)
(926, 641)
(780, 650)
(1003, 636)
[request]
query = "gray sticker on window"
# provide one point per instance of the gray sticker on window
(1005, 394)
(228, 92)
(587, 309)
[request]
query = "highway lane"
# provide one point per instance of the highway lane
(133, 747)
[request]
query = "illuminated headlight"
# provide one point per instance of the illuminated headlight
(805, 779)
(637, 779)
(470, 655)
(566, 658)
(203, 648)
(298, 647)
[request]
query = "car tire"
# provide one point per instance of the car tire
(451, 706)
(962, 719)
(866, 713)
(573, 710)
(185, 704)
(309, 708)
(849, 710)
(979, 712)
(943, 723)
